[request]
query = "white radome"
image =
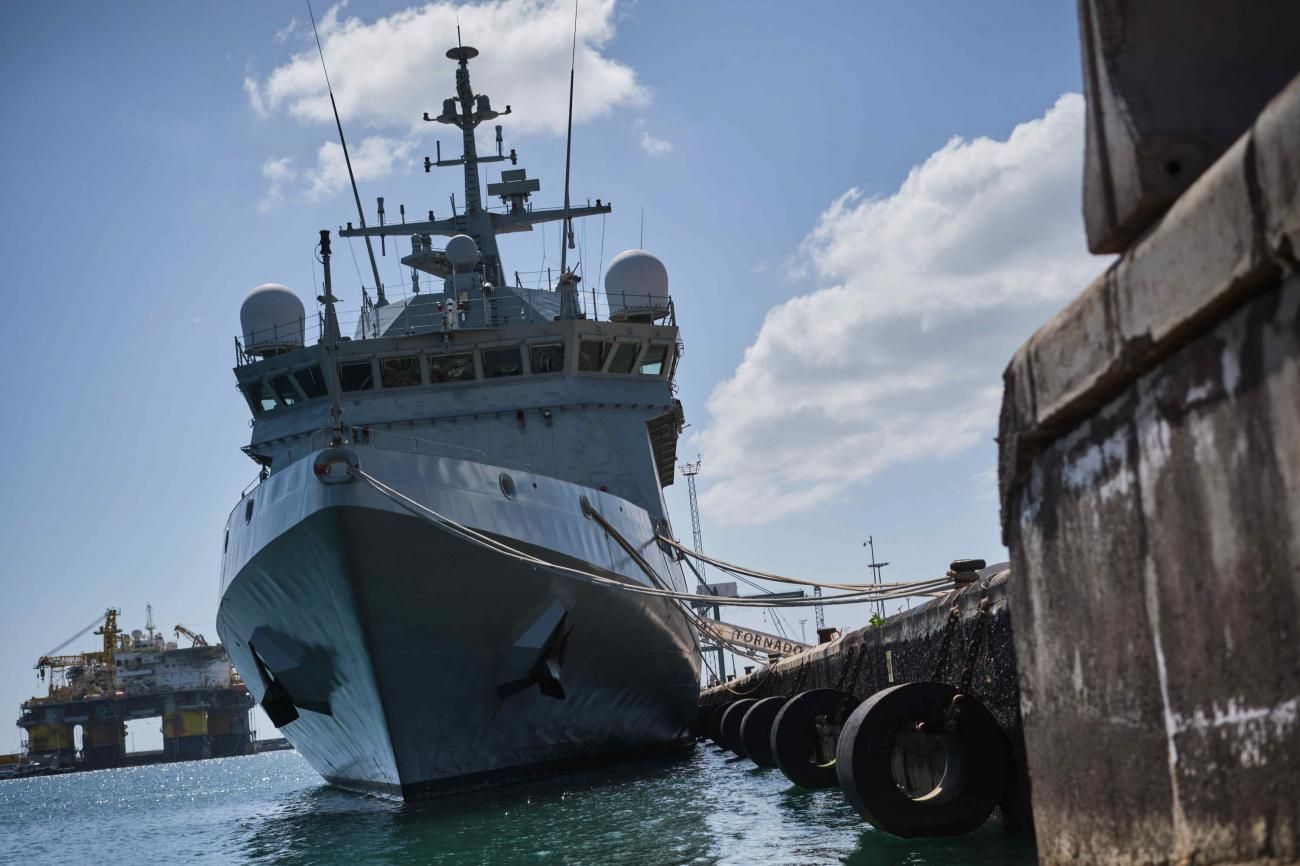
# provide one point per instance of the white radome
(462, 252)
(636, 284)
(271, 318)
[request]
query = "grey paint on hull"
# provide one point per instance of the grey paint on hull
(406, 631)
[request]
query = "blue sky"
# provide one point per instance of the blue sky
(843, 348)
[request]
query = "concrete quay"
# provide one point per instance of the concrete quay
(1150, 492)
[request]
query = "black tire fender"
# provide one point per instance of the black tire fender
(795, 738)
(713, 720)
(975, 759)
(729, 726)
(756, 730)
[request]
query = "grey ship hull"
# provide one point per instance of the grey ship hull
(408, 651)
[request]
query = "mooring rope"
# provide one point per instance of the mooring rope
(731, 568)
(681, 601)
(485, 541)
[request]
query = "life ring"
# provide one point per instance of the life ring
(756, 730)
(804, 734)
(874, 749)
(335, 465)
(729, 726)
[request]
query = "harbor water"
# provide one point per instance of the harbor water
(704, 807)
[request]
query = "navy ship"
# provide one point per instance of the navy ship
(423, 587)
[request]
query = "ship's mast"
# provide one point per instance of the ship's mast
(466, 110)
(470, 121)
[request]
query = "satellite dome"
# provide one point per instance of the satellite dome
(272, 320)
(462, 252)
(636, 285)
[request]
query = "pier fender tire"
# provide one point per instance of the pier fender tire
(729, 726)
(713, 720)
(756, 730)
(794, 739)
(974, 774)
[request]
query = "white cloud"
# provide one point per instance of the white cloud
(927, 293)
(279, 172)
(376, 157)
(386, 73)
(255, 97)
(285, 33)
(649, 143)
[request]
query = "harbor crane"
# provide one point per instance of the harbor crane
(196, 639)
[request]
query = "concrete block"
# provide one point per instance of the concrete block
(1170, 85)
(1203, 253)
(1016, 422)
(1074, 353)
(1156, 548)
(1277, 167)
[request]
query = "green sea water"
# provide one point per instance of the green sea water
(702, 808)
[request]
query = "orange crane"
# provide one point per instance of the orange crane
(84, 668)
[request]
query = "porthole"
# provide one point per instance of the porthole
(225, 545)
(507, 485)
(248, 511)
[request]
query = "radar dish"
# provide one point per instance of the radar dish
(462, 53)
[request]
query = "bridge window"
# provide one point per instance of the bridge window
(311, 381)
(356, 376)
(546, 359)
(284, 389)
(592, 355)
(624, 357)
(451, 368)
(652, 362)
(502, 362)
(258, 396)
(400, 372)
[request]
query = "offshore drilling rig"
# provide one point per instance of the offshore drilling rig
(203, 703)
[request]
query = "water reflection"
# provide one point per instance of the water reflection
(702, 808)
(628, 814)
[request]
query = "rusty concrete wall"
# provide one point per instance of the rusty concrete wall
(1150, 475)
(905, 649)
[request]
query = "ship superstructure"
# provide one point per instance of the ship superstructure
(401, 655)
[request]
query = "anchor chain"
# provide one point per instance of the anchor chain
(799, 678)
(953, 713)
(973, 649)
(844, 669)
(954, 614)
(857, 672)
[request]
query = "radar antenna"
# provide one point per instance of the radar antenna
(381, 301)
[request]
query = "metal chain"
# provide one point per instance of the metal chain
(844, 669)
(799, 678)
(973, 649)
(941, 662)
(857, 673)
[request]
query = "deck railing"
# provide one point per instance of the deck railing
(431, 317)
